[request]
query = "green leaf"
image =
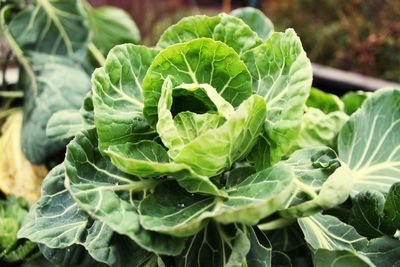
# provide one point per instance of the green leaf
(256, 19)
(12, 213)
(280, 259)
(353, 101)
(57, 222)
(324, 101)
(111, 196)
(328, 232)
(286, 239)
(180, 213)
(165, 126)
(339, 258)
(111, 26)
(72, 256)
(374, 215)
(175, 135)
(368, 143)
(149, 159)
(281, 73)
(237, 175)
(319, 129)
(184, 214)
(383, 251)
(256, 197)
(65, 124)
(54, 27)
(198, 61)
(61, 85)
(321, 181)
(231, 245)
(143, 159)
(222, 28)
(391, 209)
(117, 96)
(51, 27)
(25, 251)
(260, 249)
(367, 212)
(219, 148)
(191, 125)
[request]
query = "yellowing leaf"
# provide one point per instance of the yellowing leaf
(17, 175)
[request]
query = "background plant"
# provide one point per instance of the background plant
(361, 36)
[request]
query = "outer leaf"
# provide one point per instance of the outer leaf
(57, 222)
(353, 101)
(64, 124)
(53, 27)
(383, 251)
(198, 61)
(183, 214)
(258, 196)
(260, 249)
(231, 245)
(324, 101)
(312, 167)
(111, 26)
(61, 86)
(117, 95)
(222, 28)
(282, 74)
(328, 232)
(218, 149)
(280, 259)
(367, 212)
(287, 239)
(109, 195)
(319, 129)
(71, 256)
(256, 19)
(373, 215)
(392, 209)
(369, 142)
(237, 175)
(338, 258)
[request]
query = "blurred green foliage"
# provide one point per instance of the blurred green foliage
(357, 35)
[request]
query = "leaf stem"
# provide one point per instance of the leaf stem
(8, 112)
(305, 188)
(19, 54)
(96, 54)
(12, 94)
(276, 224)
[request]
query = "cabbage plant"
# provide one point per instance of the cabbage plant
(206, 150)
